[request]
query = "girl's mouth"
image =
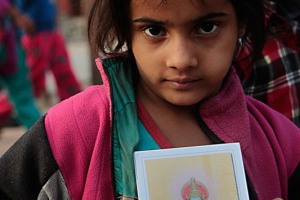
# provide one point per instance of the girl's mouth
(183, 83)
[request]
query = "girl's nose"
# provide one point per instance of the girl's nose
(181, 54)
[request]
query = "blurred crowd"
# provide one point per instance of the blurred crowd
(31, 45)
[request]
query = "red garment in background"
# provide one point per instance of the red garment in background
(47, 51)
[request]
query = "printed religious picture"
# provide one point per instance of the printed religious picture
(191, 173)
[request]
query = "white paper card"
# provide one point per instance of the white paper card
(202, 172)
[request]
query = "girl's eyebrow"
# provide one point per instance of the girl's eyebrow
(209, 16)
(147, 20)
(197, 20)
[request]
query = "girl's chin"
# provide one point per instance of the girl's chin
(185, 101)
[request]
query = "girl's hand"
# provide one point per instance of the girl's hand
(278, 199)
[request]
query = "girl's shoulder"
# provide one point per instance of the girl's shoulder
(80, 117)
(257, 108)
(74, 128)
(84, 102)
(275, 124)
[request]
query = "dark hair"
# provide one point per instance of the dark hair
(109, 25)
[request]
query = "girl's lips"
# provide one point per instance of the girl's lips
(183, 84)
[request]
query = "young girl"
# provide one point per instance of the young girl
(169, 81)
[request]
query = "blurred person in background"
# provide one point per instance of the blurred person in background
(45, 49)
(14, 79)
(275, 77)
(6, 108)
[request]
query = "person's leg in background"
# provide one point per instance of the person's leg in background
(66, 81)
(47, 51)
(37, 48)
(20, 92)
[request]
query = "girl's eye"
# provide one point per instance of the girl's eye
(154, 31)
(208, 28)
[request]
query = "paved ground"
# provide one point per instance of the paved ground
(74, 31)
(8, 136)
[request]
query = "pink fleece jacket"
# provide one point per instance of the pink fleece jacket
(81, 142)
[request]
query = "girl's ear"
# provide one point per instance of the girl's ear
(242, 30)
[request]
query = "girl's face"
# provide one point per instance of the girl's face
(183, 48)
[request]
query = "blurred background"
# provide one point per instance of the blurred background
(72, 21)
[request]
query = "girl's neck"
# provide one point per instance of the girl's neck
(178, 123)
(161, 107)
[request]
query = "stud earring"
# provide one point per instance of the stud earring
(240, 42)
(239, 46)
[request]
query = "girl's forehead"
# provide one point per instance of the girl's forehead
(178, 6)
(168, 3)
